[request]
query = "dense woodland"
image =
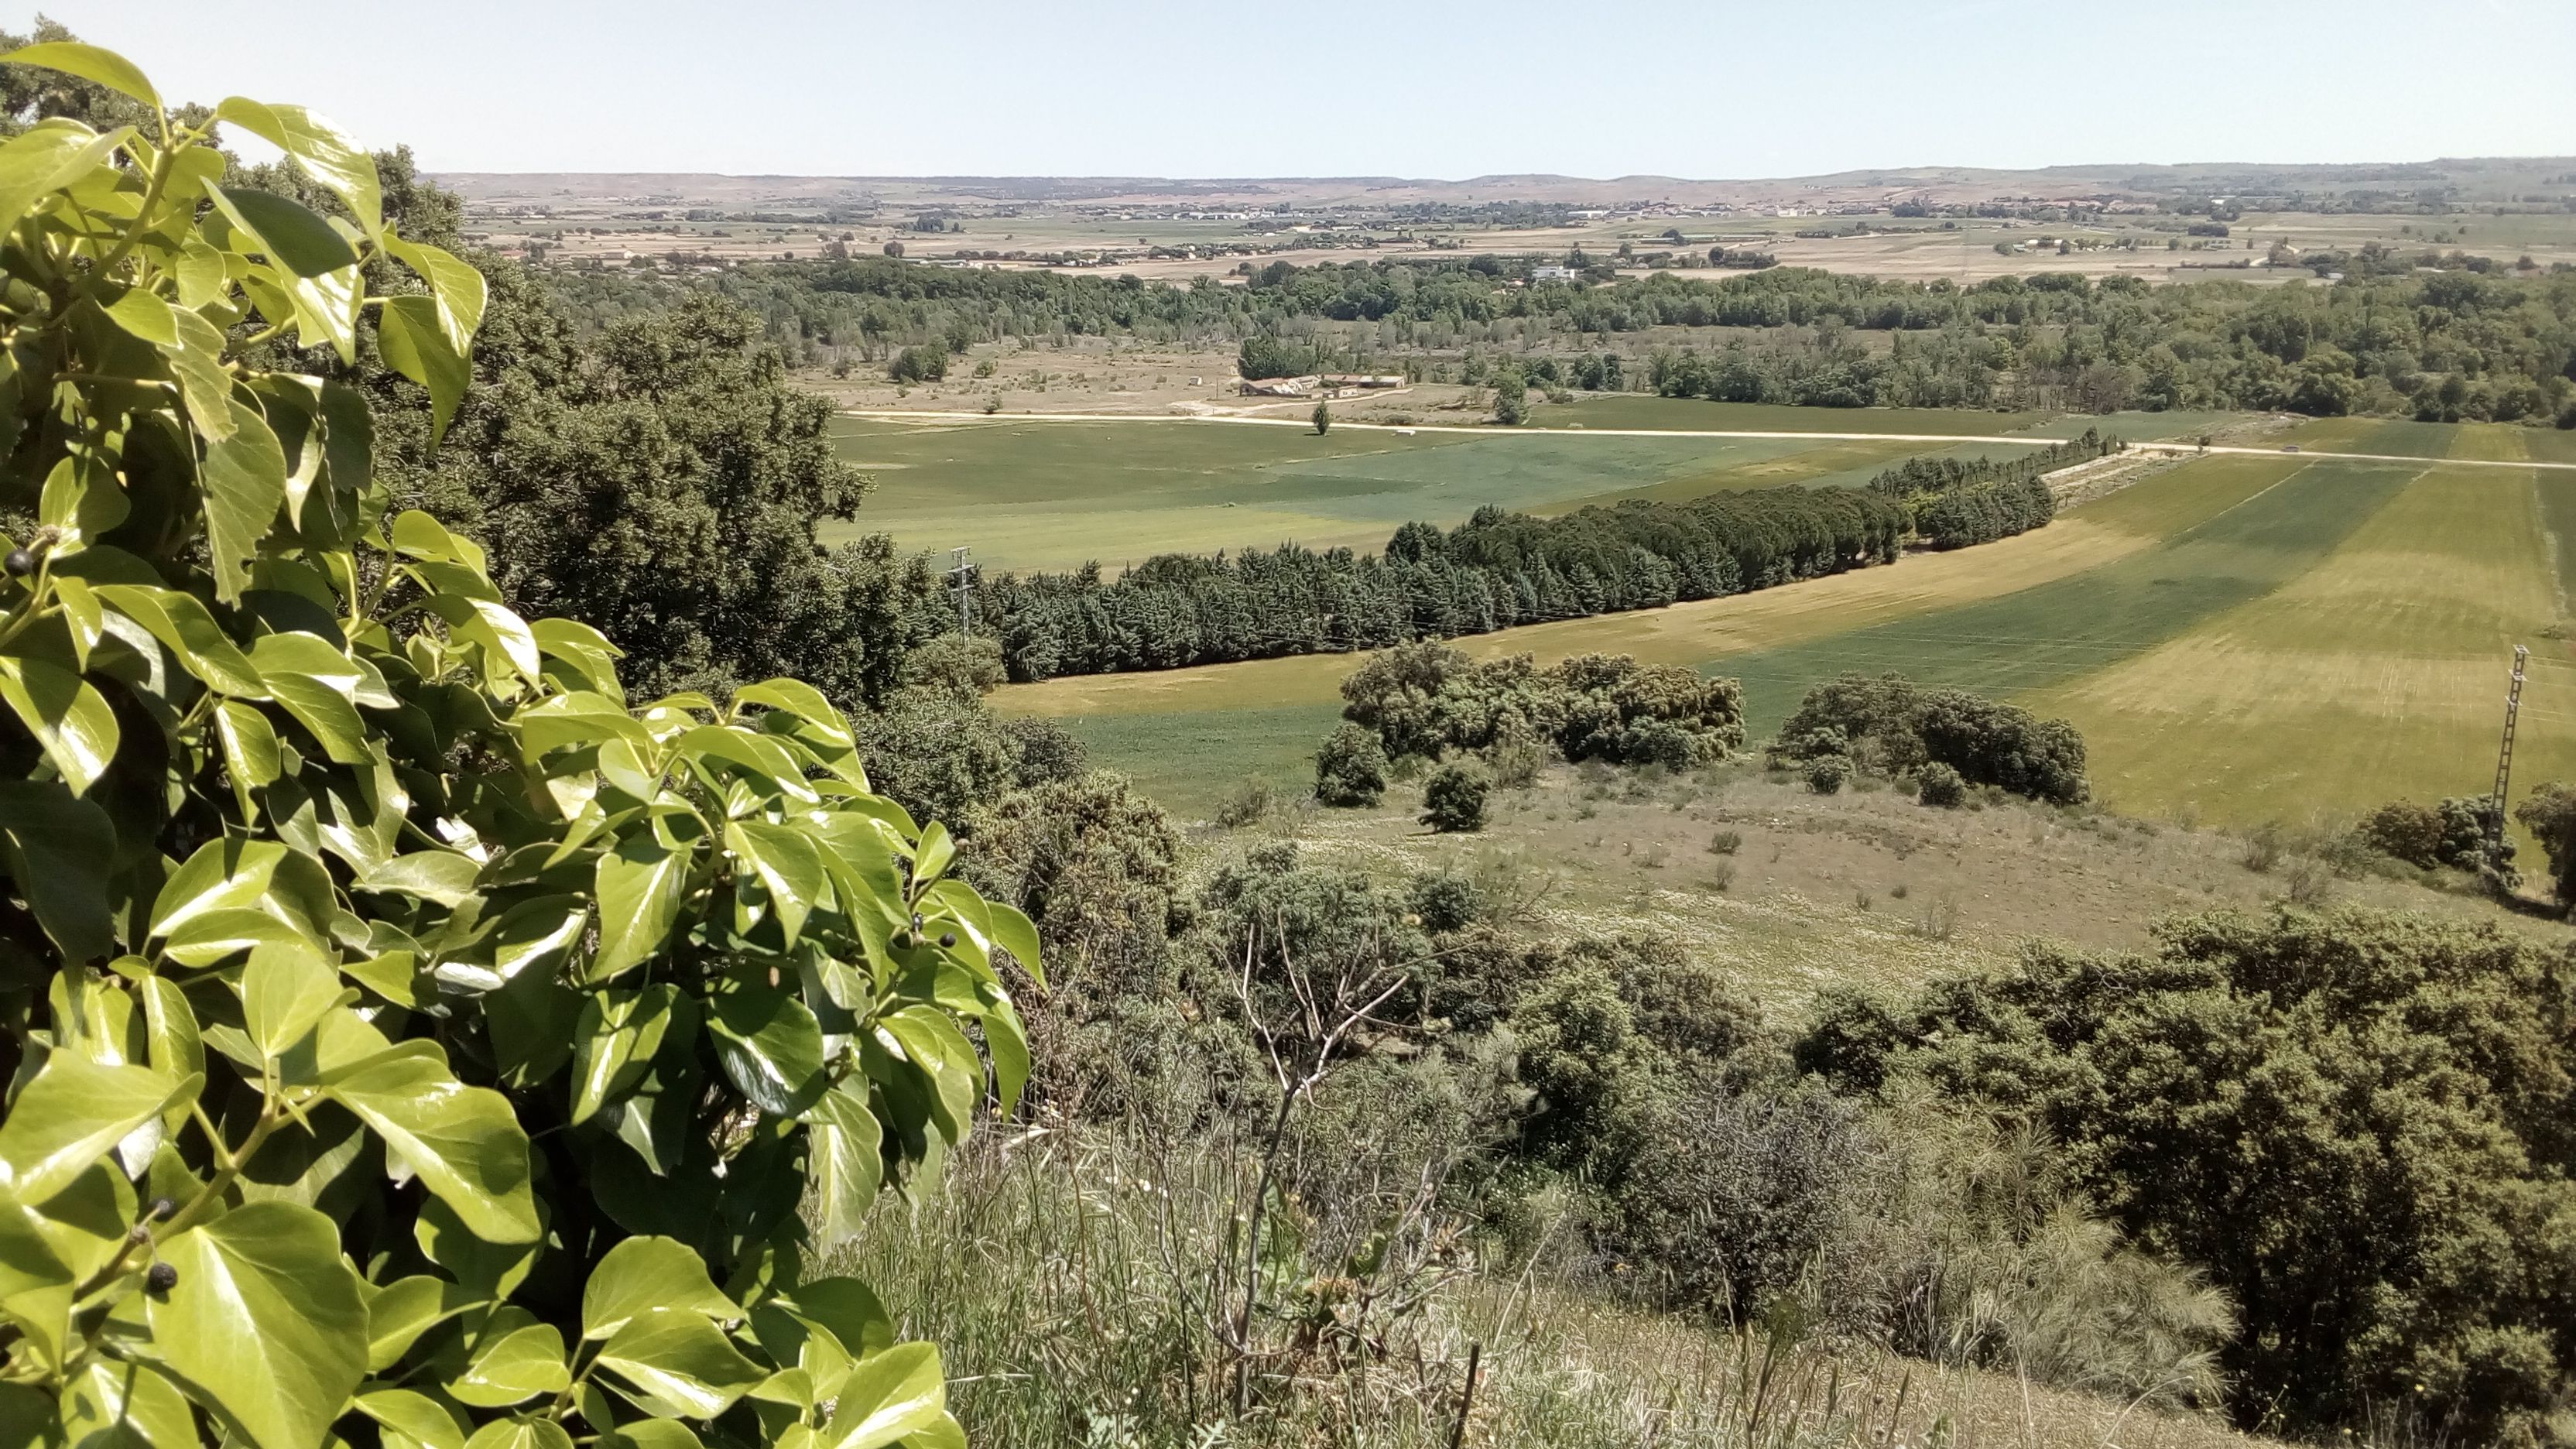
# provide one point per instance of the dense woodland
(2389, 337)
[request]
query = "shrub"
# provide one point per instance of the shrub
(919, 364)
(1825, 774)
(474, 1012)
(2452, 835)
(1323, 419)
(1887, 723)
(1453, 799)
(1350, 769)
(1431, 699)
(1726, 842)
(2352, 1122)
(1516, 760)
(962, 664)
(1043, 751)
(1248, 803)
(1939, 786)
(1444, 903)
(2549, 813)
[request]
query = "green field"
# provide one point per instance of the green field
(1055, 495)
(2241, 638)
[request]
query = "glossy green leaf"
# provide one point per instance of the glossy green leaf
(889, 1396)
(457, 286)
(771, 1047)
(401, 1311)
(937, 851)
(408, 1420)
(1006, 1041)
(516, 1360)
(639, 885)
(47, 157)
(789, 866)
(319, 687)
(244, 481)
(59, 851)
(69, 719)
(679, 1363)
(71, 1114)
(285, 989)
(331, 156)
(221, 875)
(527, 1432)
(113, 1405)
(251, 755)
(440, 876)
(413, 338)
(188, 631)
(286, 232)
(465, 1143)
(641, 1274)
(90, 63)
(844, 1160)
(614, 1044)
(656, 1434)
(263, 1322)
(1013, 933)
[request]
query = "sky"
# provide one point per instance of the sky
(1414, 88)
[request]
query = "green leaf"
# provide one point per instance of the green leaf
(223, 874)
(656, 1434)
(414, 340)
(401, 1311)
(264, 1323)
(112, 1405)
(71, 1114)
(889, 1396)
(318, 685)
(244, 480)
(845, 1307)
(492, 1270)
(287, 233)
(50, 156)
(170, 1035)
(772, 1048)
(516, 1360)
(334, 159)
(406, 1420)
(68, 717)
(464, 1142)
(844, 1160)
(639, 885)
(937, 850)
(521, 1433)
(641, 1274)
(441, 876)
(790, 868)
(90, 63)
(59, 851)
(1006, 1041)
(207, 939)
(285, 990)
(1013, 933)
(189, 632)
(251, 756)
(458, 287)
(615, 1042)
(679, 1364)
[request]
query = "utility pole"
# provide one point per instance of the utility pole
(961, 584)
(2504, 752)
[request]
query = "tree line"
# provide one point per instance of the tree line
(2448, 344)
(1956, 502)
(1497, 570)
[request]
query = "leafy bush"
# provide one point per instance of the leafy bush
(1248, 803)
(919, 364)
(1350, 769)
(1825, 774)
(1453, 799)
(1432, 699)
(2550, 814)
(2452, 835)
(1889, 724)
(1939, 786)
(407, 1030)
(2354, 1123)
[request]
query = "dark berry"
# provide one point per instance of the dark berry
(948, 938)
(162, 1208)
(20, 563)
(162, 1278)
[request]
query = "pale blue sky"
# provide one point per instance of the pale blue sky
(1396, 87)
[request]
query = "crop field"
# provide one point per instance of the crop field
(1054, 495)
(2241, 639)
